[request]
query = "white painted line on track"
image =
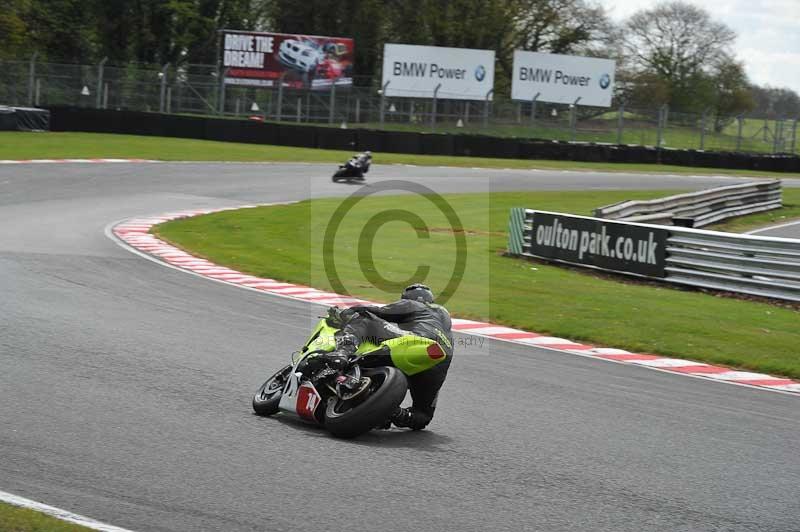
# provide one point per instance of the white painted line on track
(58, 513)
(770, 228)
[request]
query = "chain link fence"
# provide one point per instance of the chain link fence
(198, 89)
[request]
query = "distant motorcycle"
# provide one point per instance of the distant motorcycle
(354, 169)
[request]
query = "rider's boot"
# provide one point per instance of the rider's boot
(346, 345)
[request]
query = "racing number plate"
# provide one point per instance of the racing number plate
(308, 399)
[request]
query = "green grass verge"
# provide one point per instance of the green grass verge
(17, 145)
(15, 519)
(285, 242)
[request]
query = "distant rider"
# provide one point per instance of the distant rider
(361, 163)
(414, 314)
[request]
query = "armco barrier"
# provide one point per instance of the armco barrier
(285, 134)
(703, 207)
(747, 264)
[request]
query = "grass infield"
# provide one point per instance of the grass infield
(18, 145)
(16, 519)
(285, 243)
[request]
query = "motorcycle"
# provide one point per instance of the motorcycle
(347, 402)
(354, 169)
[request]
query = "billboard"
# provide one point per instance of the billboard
(562, 78)
(302, 61)
(607, 244)
(415, 72)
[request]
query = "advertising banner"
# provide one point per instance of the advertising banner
(415, 72)
(562, 78)
(302, 61)
(619, 246)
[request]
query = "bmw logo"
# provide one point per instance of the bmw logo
(605, 81)
(480, 73)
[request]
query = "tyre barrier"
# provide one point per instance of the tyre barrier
(315, 136)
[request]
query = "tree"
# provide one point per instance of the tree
(560, 26)
(775, 102)
(13, 29)
(682, 45)
(732, 94)
(63, 30)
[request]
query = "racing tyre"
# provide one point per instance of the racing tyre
(339, 175)
(266, 399)
(348, 419)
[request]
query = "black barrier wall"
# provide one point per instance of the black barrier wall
(308, 136)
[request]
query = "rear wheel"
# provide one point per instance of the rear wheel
(266, 399)
(348, 419)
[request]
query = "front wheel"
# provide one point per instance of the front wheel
(348, 419)
(268, 396)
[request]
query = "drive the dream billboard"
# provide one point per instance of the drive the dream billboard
(563, 78)
(415, 72)
(302, 61)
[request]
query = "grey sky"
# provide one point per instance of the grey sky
(768, 34)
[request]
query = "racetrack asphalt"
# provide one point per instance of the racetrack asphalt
(125, 390)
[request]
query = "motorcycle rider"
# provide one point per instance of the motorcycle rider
(414, 314)
(360, 163)
(365, 159)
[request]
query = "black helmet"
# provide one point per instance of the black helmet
(418, 292)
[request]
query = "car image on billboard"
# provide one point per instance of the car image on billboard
(301, 61)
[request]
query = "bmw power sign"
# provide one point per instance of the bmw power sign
(452, 73)
(563, 78)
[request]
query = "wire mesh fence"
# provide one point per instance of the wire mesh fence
(199, 89)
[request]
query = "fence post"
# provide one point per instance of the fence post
(99, 91)
(162, 98)
(573, 119)
(221, 103)
(358, 110)
(620, 123)
(703, 131)
(31, 77)
(169, 100)
(433, 105)
(38, 91)
(794, 137)
(533, 108)
(740, 120)
(105, 95)
(486, 104)
(383, 102)
(332, 102)
(279, 108)
(466, 112)
(662, 124)
(775, 136)
(299, 109)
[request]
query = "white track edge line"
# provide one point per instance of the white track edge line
(110, 234)
(58, 513)
(770, 228)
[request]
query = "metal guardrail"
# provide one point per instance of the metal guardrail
(745, 264)
(701, 208)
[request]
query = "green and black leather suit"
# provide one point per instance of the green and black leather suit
(401, 318)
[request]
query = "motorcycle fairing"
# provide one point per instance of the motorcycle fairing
(300, 399)
(410, 354)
